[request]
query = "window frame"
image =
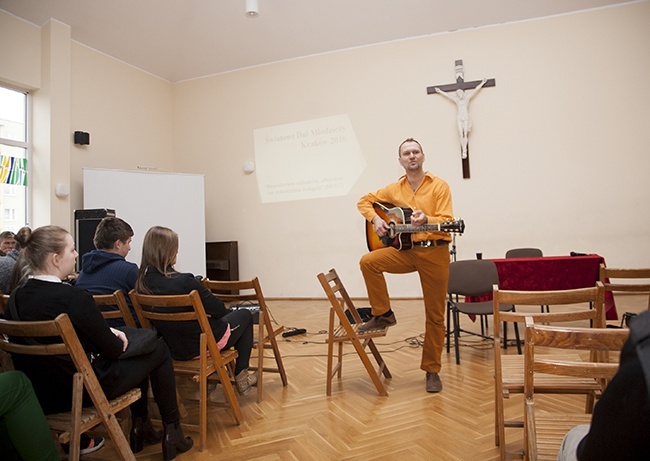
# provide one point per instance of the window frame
(26, 145)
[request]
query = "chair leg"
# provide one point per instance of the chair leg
(457, 336)
(330, 366)
(278, 358)
(379, 359)
(260, 369)
(376, 380)
(448, 326)
(517, 338)
(75, 430)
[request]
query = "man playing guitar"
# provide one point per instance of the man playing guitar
(429, 200)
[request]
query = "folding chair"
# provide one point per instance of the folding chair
(346, 332)
(245, 292)
(123, 312)
(509, 369)
(4, 299)
(71, 425)
(544, 431)
(174, 308)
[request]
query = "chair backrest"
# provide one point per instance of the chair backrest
(118, 299)
(626, 280)
(590, 301)
(339, 297)
(238, 291)
(472, 277)
(598, 340)
(174, 308)
(524, 253)
(60, 328)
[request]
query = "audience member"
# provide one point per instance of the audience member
(231, 328)
(48, 257)
(7, 242)
(620, 425)
(24, 432)
(105, 269)
(8, 261)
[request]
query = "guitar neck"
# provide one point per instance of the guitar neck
(409, 228)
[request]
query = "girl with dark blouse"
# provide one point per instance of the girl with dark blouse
(49, 257)
(231, 328)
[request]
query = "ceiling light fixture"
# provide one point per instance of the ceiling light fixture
(252, 8)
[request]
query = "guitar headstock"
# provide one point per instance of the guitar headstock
(457, 226)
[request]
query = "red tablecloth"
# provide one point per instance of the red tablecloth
(552, 273)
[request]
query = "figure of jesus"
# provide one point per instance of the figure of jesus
(462, 119)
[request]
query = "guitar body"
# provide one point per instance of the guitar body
(399, 235)
(392, 215)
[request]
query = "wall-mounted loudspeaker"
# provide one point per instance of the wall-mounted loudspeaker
(81, 137)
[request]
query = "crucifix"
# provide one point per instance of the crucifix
(459, 95)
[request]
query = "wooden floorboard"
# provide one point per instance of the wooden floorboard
(299, 422)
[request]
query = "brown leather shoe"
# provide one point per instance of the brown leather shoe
(433, 382)
(378, 322)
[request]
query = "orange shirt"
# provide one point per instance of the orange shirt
(432, 197)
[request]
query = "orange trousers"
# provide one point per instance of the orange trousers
(432, 264)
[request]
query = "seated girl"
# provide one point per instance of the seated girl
(231, 328)
(48, 258)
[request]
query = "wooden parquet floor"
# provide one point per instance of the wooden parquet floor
(299, 422)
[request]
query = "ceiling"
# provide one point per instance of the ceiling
(184, 39)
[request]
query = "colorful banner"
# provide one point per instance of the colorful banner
(13, 170)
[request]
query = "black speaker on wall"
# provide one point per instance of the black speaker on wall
(81, 137)
(85, 224)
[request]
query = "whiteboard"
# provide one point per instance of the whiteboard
(145, 199)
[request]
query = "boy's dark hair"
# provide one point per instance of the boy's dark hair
(111, 230)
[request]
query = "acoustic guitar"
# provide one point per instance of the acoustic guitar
(399, 234)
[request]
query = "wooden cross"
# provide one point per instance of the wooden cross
(462, 102)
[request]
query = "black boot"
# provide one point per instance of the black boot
(174, 441)
(142, 432)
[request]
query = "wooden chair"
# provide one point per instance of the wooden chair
(509, 369)
(543, 431)
(71, 425)
(613, 279)
(118, 299)
(346, 332)
(211, 361)
(250, 291)
(123, 312)
(4, 299)
(5, 359)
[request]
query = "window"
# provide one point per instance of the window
(14, 152)
(9, 215)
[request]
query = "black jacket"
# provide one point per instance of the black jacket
(183, 337)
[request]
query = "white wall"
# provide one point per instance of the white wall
(128, 114)
(559, 149)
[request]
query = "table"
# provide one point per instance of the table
(552, 273)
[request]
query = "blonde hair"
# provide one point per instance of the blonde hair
(36, 246)
(159, 250)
